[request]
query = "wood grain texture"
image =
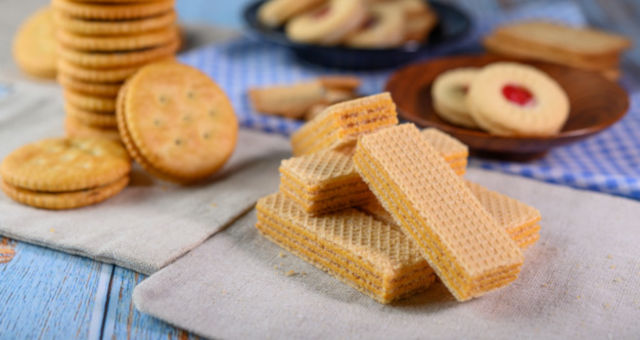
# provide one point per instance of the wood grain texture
(123, 321)
(45, 294)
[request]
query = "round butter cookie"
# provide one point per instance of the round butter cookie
(112, 11)
(274, 13)
(176, 121)
(449, 94)
(328, 24)
(513, 99)
(65, 164)
(34, 46)
(384, 27)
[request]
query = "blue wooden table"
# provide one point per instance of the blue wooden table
(45, 294)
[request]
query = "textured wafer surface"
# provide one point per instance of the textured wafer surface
(464, 245)
(34, 48)
(369, 243)
(106, 11)
(64, 200)
(449, 147)
(180, 121)
(120, 27)
(65, 164)
(342, 123)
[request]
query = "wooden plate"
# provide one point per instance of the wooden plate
(596, 103)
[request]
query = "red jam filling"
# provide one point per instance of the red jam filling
(370, 22)
(321, 12)
(517, 94)
(462, 89)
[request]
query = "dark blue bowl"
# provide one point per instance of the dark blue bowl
(452, 25)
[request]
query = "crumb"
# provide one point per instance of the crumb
(291, 273)
(613, 266)
(275, 266)
(224, 292)
(578, 297)
(304, 273)
(51, 230)
(617, 279)
(213, 205)
(609, 256)
(281, 254)
(606, 306)
(544, 285)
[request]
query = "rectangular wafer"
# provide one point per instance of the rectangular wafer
(519, 220)
(340, 124)
(367, 254)
(462, 242)
(326, 180)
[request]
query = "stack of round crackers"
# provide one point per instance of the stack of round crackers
(100, 44)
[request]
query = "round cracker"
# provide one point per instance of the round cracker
(105, 11)
(99, 89)
(117, 43)
(120, 27)
(65, 164)
(64, 200)
(96, 75)
(181, 122)
(75, 128)
(117, 59)
(91, 118)
(89, 102)
(34, 48)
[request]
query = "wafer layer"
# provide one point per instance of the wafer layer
(327, 181)
(519, 220)
(374, 257)
(461, 241)
(340, 124)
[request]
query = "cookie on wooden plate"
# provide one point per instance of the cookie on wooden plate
(64, 173)
(176, 122)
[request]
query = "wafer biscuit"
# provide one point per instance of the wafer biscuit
(139, 41)
(120, 27)
(63, 164)
(519, 220)
(117, 59)
(105, 11)
(371, 256)
(177, 120)
(327, 181)
(64, 200)
(340, 124)
(463, 244)
(340, 82)
(89, 102)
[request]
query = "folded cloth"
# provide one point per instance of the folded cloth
(151, 223)
(579, 281)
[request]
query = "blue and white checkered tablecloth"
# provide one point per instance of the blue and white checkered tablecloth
(608, 162)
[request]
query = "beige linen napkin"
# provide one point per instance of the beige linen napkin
(149, 224)
(580, 281)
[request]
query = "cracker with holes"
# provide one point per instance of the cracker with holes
(64, 173)
(176, 122)
(512, 99)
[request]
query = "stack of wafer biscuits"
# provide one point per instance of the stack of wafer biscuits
(327, 181)
(372, 256)
(409, 181)
(100, 44)
(583, 48)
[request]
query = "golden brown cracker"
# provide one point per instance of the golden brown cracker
(34, 48)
